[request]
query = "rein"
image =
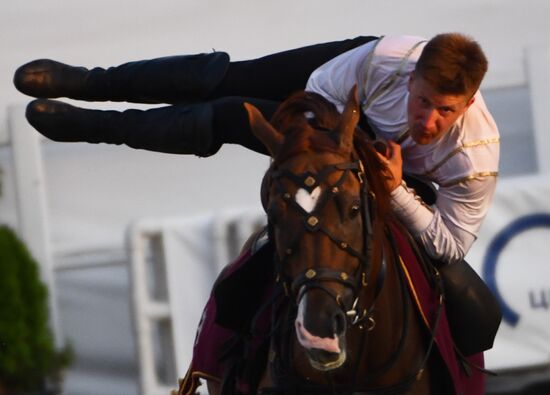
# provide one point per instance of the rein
(313, 222)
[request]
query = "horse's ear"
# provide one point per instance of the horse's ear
(349, 119)
(263, 130)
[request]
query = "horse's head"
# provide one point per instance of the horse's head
(316, 197)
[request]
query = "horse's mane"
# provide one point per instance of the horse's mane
(309, 123)
(374, 169)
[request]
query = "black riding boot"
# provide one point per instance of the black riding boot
(173, 79)
(180, 129)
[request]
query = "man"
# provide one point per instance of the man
(425, 96)
(421, 97)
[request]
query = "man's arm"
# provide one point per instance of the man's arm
(447, 229)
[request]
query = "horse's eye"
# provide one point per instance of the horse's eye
(354, 210)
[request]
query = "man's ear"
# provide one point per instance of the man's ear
(471, 101)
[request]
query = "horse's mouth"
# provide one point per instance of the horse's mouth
(324, 353)
(324, 360)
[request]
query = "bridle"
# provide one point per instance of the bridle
(316, 278)
(313, 222)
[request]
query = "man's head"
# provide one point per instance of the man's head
(442, 86)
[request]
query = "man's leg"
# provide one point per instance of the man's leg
(231, 125)
(171, 79)
(179, 79)
(277, 76)
(199, 128)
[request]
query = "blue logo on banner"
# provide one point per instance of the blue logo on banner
(497, 245)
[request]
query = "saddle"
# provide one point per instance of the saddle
(473, 312)
(240, 294)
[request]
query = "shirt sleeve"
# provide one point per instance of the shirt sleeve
(447, 229)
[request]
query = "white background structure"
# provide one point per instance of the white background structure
(92, 193)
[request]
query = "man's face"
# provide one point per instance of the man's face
(431, 114)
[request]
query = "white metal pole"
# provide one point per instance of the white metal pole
(32, 208)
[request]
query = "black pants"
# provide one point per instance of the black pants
(265, 82)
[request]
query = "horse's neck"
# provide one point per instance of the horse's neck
(396, 344)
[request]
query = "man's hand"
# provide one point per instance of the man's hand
(394, 162)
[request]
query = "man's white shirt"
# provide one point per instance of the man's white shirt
(463, 163)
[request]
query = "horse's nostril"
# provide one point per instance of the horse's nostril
(339, 323)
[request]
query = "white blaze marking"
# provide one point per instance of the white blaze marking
(307, 200)
(308, 340)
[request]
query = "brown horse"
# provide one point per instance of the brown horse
(348, 325)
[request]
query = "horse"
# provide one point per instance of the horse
(345, 321)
